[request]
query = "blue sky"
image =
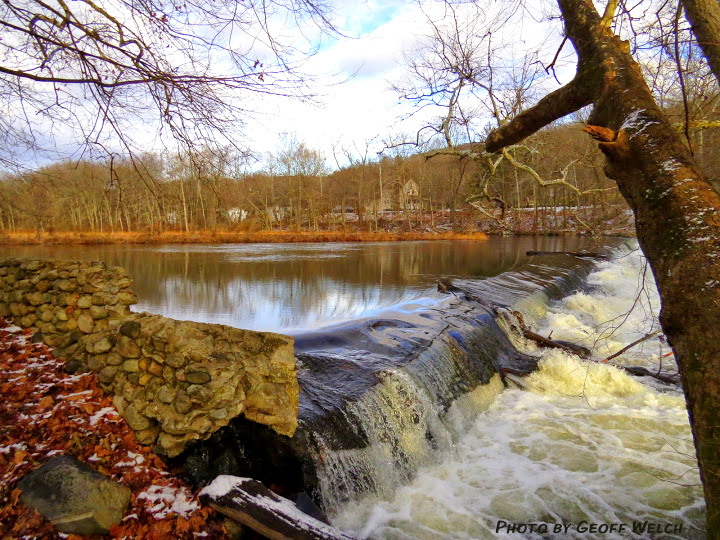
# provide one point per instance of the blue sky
(364, 110)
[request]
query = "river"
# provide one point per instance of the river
(579, 443)
(583, 444)
(294, 287)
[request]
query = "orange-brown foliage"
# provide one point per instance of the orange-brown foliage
(223, 237)
(45, 412)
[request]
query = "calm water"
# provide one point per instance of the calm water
(292, 287)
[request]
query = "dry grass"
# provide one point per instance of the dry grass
(224, 237)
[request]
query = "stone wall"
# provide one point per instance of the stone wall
(173, 381)
(61, 297)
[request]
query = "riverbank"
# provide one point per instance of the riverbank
(46, 412)
(225, 237)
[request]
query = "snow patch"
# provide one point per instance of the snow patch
(106, 411)
(636, 123)
(223, 484)
(166, 500)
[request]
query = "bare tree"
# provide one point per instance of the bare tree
(456, 68)
(97, 72)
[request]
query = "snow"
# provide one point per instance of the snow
(134, 459)
(106, 411)
(167, 500)
(635, 122)
(223, 484)
(75, 394)
(282, 508)
(671, 165)
(10, 448)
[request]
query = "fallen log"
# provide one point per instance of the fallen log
(582, 254)
(640, 371)
(249, 502)
(572, 348)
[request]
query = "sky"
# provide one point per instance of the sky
(355, 109)
(354, 75)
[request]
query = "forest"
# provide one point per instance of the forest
(296, 190)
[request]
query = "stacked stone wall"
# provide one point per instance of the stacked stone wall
(62, 297)
(173, 381)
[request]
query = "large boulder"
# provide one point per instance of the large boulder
(74, 497)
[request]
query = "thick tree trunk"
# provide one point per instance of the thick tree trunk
(677, 214)
(704, 16)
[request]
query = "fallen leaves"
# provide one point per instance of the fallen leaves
(45, 412)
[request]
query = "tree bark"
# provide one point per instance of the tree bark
(704, 17)
(677, 215)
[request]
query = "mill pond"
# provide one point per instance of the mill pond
(403, 432)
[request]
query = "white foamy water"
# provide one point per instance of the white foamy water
(584, 444)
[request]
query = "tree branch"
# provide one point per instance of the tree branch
(563, 101)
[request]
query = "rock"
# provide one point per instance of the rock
(198, 393)
(28, 320)
(127, 347)
(107, 374)
(98, 312)
(156, 369)
(130, 329)
(74, 497)
(219, 414)
(182, 402)
(36, 298)
(84, 302)
(135, 419)
(249, 502)
(166, 394)
(131, 366)
(42, 285)
(147, 436)
(168, 374)
(127, 298)
(175, 360)
(95, 363)
(197, 376)
(114, 359)
(102, 346)
(85, 323)
(66, 285)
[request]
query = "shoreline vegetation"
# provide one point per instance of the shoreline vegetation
(226, 237)
(23, 238)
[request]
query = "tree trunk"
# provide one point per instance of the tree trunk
(677, 213)
(704, 17)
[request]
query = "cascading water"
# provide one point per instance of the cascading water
(582, 443)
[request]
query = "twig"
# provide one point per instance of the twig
(636, 342)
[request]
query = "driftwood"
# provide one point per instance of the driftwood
(627, 348)
(582, 254)
(249, 502)
(579, 350)
(640, 371)
(572, 348)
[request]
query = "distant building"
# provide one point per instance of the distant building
(236, 215)
(410, 195)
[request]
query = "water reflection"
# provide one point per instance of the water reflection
(293, 287)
